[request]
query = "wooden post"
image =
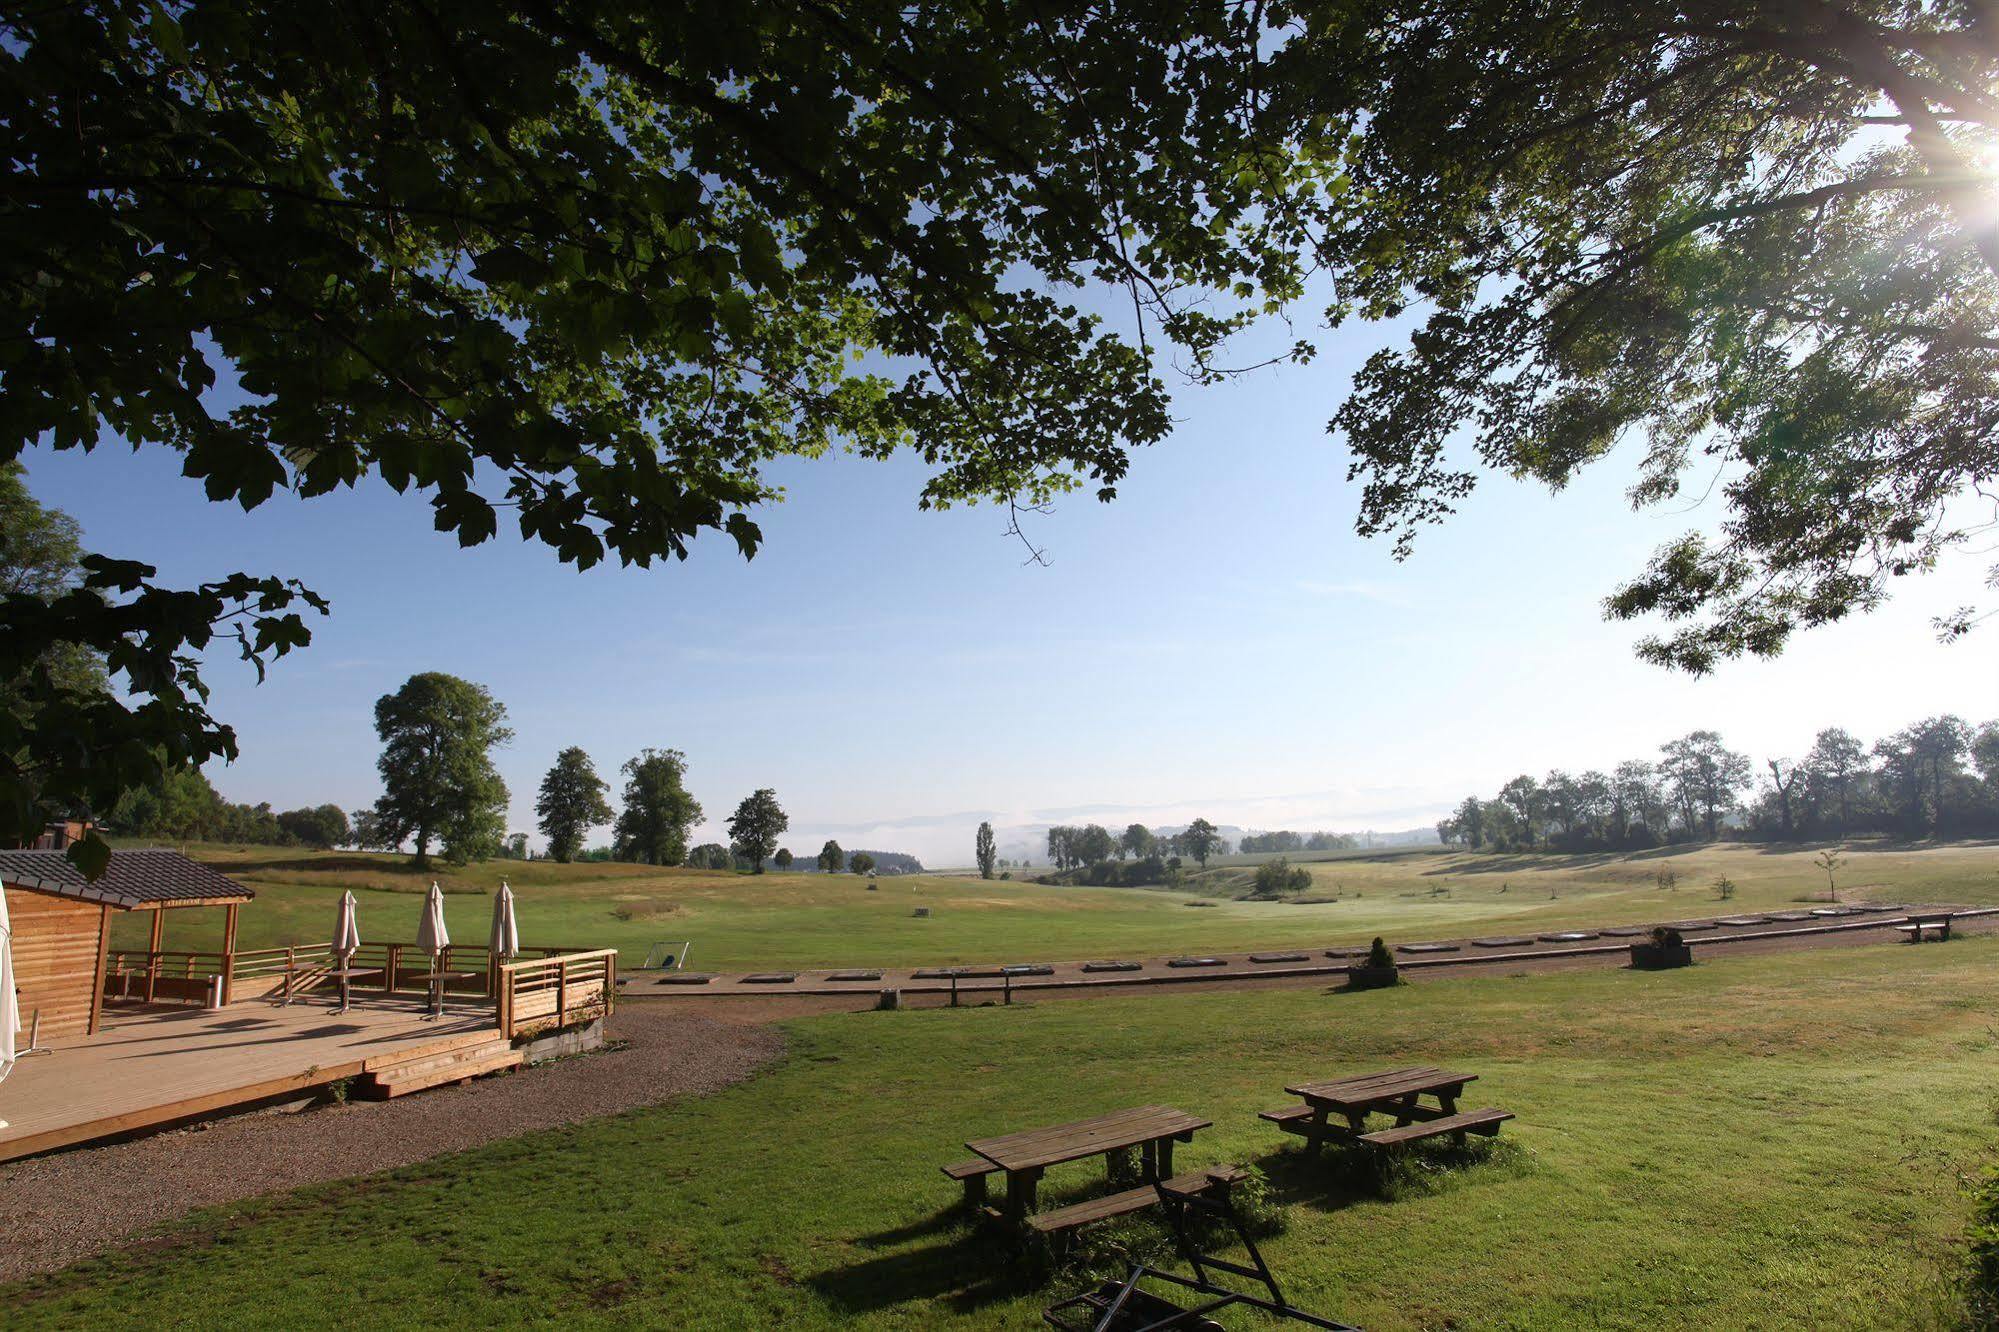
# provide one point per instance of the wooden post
(561, 991)
(103, 959)
(153, 951)
(229, 952)
(610, 981)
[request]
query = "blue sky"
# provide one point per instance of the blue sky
(1216, 642)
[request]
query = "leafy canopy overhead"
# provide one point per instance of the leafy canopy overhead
(1761, 238)
(593, 268)
(587, 267)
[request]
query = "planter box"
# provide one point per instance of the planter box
(1373, 978)
(1659, 957)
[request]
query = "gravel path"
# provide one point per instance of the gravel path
(59, 1209)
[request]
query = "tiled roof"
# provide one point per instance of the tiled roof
(134, 878)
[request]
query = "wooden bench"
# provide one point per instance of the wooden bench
(972, 1174)
(1919, 921)
(1292, 1118)
(1486, 1121)
(1076, 1215)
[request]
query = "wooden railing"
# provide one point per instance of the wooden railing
(553, 992)
(251, 973)
(178, 975)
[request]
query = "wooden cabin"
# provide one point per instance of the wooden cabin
(62, 926)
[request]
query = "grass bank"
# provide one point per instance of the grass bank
(1769, 1142)
(739, 922)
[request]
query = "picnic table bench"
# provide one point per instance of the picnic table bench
(1398, 1092)
(1919, 921)
(1025, 1157)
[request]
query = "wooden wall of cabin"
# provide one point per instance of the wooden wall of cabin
(58, 955)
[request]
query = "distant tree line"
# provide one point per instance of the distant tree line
(1939, 777)
(185, 807)
(1287, 842)
(1093, 845)
(1069, 847)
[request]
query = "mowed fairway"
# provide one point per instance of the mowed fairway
(1767, 1142)
(739, 922)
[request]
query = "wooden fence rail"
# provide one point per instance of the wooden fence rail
(249, 973)
(552, 992)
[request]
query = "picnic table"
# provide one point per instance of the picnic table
(1023, 1157)
(1336, 1110)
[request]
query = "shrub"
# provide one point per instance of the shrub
(1378, 954)
(1724, 888)
(1276, 877)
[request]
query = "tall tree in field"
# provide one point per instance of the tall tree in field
(1523, 796)
(1636, 800)
(782, 859)
(571, 803)
(322, 826)
(1783, 781)
(1093, 842)
(831, 858)
(756, 825)
(986, 849)
(658, 812)
(1707, 777)
(1469, 821)
(1138, 841)
(1201, 840)
(1921, 764)
(861, 863)
(439, 784)
(1835, 768)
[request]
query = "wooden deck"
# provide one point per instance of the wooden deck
(156, 1066)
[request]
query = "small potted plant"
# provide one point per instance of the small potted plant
(1377, 972)
(1665, 949)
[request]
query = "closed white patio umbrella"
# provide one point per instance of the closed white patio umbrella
(346, 931)
(346, 938)
(504, 941)
(10, 1006)
(433, 938)
(506, 937)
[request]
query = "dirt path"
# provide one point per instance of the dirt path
(61, 1208)
(776, 1006)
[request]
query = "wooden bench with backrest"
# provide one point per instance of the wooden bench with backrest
(1919, 921)
(1077, 1215)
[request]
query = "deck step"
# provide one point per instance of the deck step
(422, 1061)
(435, 1070)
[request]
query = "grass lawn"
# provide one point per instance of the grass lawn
(742, 922)
(1765, 1142)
